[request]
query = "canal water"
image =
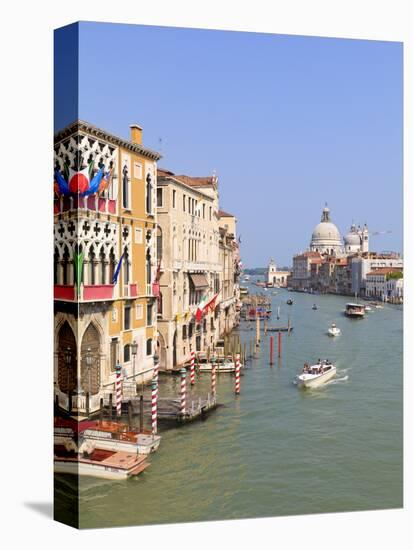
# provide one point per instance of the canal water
(275, 449)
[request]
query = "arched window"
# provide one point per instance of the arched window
(126, 266)
(92, 266)
(126, 353)
(159, 242)
(55, 266)
(66, 258)
(112, 263)
(148, 267)
(125, 187)
(149, 346)
(102, 266)
(148, 194)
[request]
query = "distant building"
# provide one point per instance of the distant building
(305, 269)
(385, 284)
(275, 277)
(362, 264)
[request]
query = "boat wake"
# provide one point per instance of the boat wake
(337, 380)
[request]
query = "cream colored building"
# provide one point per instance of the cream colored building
(188, 251)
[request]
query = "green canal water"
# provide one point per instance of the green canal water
(276, 450)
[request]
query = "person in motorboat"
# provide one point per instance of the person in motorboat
(305, 369)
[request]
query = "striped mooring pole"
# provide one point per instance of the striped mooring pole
(213, 378)
(192, 368)
(154, 406)
(237, 375)
(183, 391)
(118, 386)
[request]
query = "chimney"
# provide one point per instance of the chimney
(136, 134)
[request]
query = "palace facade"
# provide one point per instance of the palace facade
(104, 263)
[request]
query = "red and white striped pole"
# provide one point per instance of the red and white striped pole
(213, 379)
(237, 374)
(192, 368)
(154, 406)
(118, 387)
(183, 391)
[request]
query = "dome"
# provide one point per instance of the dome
(326, 232)
(326, 237)
(352, 239)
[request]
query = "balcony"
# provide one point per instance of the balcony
(130, 290)
(96, 204)
(88, 293)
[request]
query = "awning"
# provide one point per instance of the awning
(199, 280)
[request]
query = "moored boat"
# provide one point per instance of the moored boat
(316, 375)
(114, 465)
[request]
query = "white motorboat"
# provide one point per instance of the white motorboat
(316, 375)
(367, 308)
(333, 330)
(222, 364)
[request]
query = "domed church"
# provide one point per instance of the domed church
(326, 237)
(357, 239)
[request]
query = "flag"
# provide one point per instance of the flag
(210, 306)
(200, 308)
(117, 270)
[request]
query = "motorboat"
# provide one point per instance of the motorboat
(314, 307)
(96, 462)
(108, 435)
(356, 311)
(333, 330)
(316, 375)
(367, 308)
(222, 365)
(289, 302)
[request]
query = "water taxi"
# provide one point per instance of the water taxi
(333, 330)
(223, 364)
(355, 310)
(108, 435)
(98, 463)
(316, 375)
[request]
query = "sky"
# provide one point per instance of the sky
(287, 123)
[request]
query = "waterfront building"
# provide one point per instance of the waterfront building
(305, 269)
(275, 277)
(229, 258)
(197, 260)
(361, 264)
(104, 262)
(385, 284)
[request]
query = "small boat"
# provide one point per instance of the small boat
(356, 311)
(290, 302)
(107, 435)
(314, 307)
(98, 463)
(280, 329)
(333, 330)
(223, 364)
(316, 375)
(367, 308)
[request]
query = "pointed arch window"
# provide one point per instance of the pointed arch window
(112, 265)
(66, 264)
(102, 266)
(125, 188)
(92, 265)
(149, 194)
(126, 267)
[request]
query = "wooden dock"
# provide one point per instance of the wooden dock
(169, 409)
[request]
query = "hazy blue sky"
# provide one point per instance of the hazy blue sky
(286, 122)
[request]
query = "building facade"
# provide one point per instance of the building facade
(104, 262)
(275, 277)
(385, 284)
(191, 265)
